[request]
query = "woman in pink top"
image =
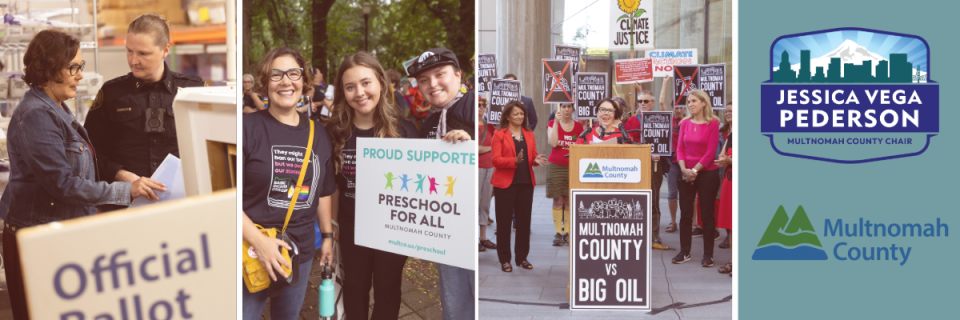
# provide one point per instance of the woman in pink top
(696, 152)
(558, 178)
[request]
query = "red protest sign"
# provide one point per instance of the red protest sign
(633, 70)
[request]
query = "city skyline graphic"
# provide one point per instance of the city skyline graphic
(849, 55)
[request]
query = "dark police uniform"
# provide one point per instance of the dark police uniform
(118, 119)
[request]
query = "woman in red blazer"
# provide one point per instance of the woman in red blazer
(513, 181)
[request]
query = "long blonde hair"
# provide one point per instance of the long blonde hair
(340, 124)
(707, 109)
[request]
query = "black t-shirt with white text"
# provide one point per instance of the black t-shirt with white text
(346, 179)
(272, 157)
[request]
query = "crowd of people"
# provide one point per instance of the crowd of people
(698, 172)
(363, 100)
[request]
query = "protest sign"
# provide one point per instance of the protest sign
(591, 87)
(172, 260)
(711, 78)
(571, 53)
(416, 198)
(501, 92)
(486, 71)
(557, 81)
(631, 22)
(664, 60)
(633, 70)
(656, 131)
(610, 249)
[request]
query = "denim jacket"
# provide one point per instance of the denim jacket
(53, 175)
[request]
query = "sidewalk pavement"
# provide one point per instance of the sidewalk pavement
(686, 291)
(420, 287)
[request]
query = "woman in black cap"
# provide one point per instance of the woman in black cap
(440, 82)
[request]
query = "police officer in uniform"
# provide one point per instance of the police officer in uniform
(131, 122)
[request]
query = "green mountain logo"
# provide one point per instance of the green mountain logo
(593, 171)
(790, 238)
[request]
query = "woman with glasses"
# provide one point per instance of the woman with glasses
(268, 183)
(608, 117)
(251, 100)
(696, 152)
(53, 173)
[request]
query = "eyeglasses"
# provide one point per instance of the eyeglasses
(605, 110)
(77, 68)
(644, 101)
(247, 81)
(293, 74)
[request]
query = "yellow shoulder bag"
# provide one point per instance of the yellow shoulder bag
(254, 274)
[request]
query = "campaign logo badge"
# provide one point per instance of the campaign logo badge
(789, 238)
(850, 95)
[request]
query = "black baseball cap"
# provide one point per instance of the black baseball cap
(432, 58)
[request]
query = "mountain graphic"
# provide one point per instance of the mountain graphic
(789, 238)
(848, 52)
(593, 171)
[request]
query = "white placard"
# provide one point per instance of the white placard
(415, 197)
(610, 170)
(620, 25)
(173, 260)
(663, 60)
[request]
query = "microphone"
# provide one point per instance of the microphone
(583, 136)
(623, 132)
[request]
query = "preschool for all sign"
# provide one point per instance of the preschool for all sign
(415, 197)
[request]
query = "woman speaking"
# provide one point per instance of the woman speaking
(608, 115)
(513, 148)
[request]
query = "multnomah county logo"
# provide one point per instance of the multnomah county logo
(850, 95)
(789, 238)
(610, 170)
(593, 171)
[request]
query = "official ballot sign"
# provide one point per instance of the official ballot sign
(657, 132)
(591, 87)
(415, 197)
(633, 70)
(173, 260)
(502, 92)
(610, 249)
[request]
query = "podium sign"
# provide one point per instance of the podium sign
(610, 249)
(173, 260)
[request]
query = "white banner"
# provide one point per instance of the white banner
(174, 260)
(663, 60)
(415, 197)
(631, 21)
(610, 170)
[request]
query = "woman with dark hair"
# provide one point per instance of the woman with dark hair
(52, 164)
(363, 109)
(281, 129)
(514, 151)
(696, 152)
(608, 117)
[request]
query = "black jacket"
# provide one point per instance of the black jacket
(462, 115)
(118, 118)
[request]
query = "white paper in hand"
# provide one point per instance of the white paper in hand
(170, 173)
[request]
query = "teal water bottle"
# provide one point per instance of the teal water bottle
(326, 292)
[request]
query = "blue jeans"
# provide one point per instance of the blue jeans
(285, 306)
(456, 292)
